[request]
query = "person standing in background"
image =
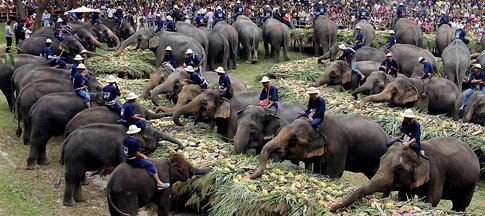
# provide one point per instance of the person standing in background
(8, 36)
(46, 18)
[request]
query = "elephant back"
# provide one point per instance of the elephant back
(444, 36)
(408, 33)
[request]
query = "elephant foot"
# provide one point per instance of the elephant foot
(234, 67)
(31, 164)
(79, 198)
(85, 181)
(267, 57)
(43, 162)
(287, 59)
(19, 132)
(26, 141)
(248, 62)
(69, 203)
(31, 167)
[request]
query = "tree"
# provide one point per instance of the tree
(38, 19)
(21, 11)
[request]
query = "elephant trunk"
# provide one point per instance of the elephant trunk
(164, 109)
(322, 81)
(152, 115)
(201, 171)
(190, 108)
(114, 38)
(366, 87)
(324, 56)
(162, 136)
(241, 138)
(164, 88)
(263, 157)
(100, 45)
(385, 95)
(131, 40)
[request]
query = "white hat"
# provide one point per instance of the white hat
(133, 129)
(189, 51)
(265, 79)
(421, 58)
(176, 6)
(131, 96)
(98, 11)
(81, 66)
(59, 20)
(83, 51)
(320, 2)
(119, 7)
(389, 54)
(238, 2)
(362, 8)
(461, 26)
(220, 70)
(219, 8)
(392, 31)
(66, 13)
(267, 6)
(408, 114)
(197, 12)
(111, 79)
(342, 46)
(312, 90)
(169, 18)
(189, 69)
(78, 58)
(479, 66)
(48, 40)
(158, 15)
(169, 48)
(401, 4)
(358, 27)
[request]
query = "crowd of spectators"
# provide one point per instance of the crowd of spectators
(298, 13)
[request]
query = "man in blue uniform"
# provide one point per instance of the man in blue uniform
(238, 10)
(267, 14)
(461, 34)
(195, 78)
(400, 13)
(268, 99)
(192, 60)
(320, 9)
(135, 158)
(349, 58)
(159, 23)
(220, 16)
(392, 39)
(110, 92)
(359, 39)
(170, 24)
(128, 113)
(225, 88)
(444, 19)
(95, 17)
(84, 54)
(316, 109)
(199, 19)
(19, 32)
(65, 19)
(175, 13)
(477, 83)
(411, 132)
(363, 14)
(48, 56)
(59, 30)
(169, 59)
(389, 65)
(427, 73)
(119, 15)
(80, 84)
(77, 60)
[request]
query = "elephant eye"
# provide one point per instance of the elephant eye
(204, 103)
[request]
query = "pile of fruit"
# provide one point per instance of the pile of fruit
(134, 64)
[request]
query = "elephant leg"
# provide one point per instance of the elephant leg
(78, 194)
(211, 63)
(285, 52)
(85, 180)
(27, 128)
(462, 199)
(33, 155)
(42, 159)
(8, 95)
(276, 53)
(317, 165)
(434, 191)
(404, 195)
(233, 56)
(309, 165)
(163, 204)
(255, 54)
(266, 50)
(316, 46)
(69, 194)
(334, 166)
(159, 56)
(247, 51)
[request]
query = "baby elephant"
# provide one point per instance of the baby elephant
(132, 188)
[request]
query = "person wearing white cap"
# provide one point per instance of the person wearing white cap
(315, 111)
(169, 59)
(444, 19)
(195, 78)
(460, 33)
(389, 65)
(268, 98)
(95, 17)
(84, 54)
(170, 25)
(220, 15)
(119, 14)
(48, 56)
(110, 92)
(411, 132)
(59, 29)
(238, 10)
(349, 58)
(392, 39)
(400, 13)
(359, 38)
(80, 84)
(78, 59)
(225, 88)
(65, 18)
(363, 14)
(268, 13)
(159, 23)
(320, 9)
(134, 158)
(128, 113)
(477, 83)
(427, 73)
(199, 19)
(192, 60)
(175, 13)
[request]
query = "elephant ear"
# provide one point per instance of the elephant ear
(154, 42)
(271, 125)
(317, 146)
(411, 94)
(420, 174)
(469, 112)
(346, 76)
(223, 110)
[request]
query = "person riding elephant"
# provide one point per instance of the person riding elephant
(232, 37)
(277, 35)
(427, 74)
(461, 34)
(128, 113)
(320, 10)
(238, 10)
(365, 53)
(400, 13)
(374, 84)
(169, 59)
(403, 91)
(349, 58)
(192, 60)
(325, 31)
(411, 133)
(98, 146)
(392, 39)
(195, 78)
(194, 32)
(359, 38)
(367, 30)
(477, 83)
(406, 56)
(267, 14)
(339, 73)
(248, 33)
(220, 16)
(225, 88)
(389, 65)
(157, 42)
(408, 33)
(456, 60)
(474, 112)
(451, 172)
(48, 56)
(77, 61)
(218, 49)
(444, 19)
(124, 195)
(346, 142)
(363, 14)
(316, 109)
(444, 35)
(80, 84)
(111, 91)
(268, 99)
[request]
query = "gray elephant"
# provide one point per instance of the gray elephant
(210, 107)
(325, 32)
(365, 53)
(123, 30)
(482, 42)
(248, 37)
(408, 33)
(48, 117)
(444, 35)
(340, 73)
(255, 125)
(456, 60)
(194, 32)
(124, 195)
(100, 31)
(157, 42)
(407, 56)
(344, 142)
(367, 31)
(451, 173)
(31, 72)
(232, 37)
(98, 146)
(481, 58)
(69, 47)
(374, 83)
(218, 49)
(187, 94)
(474, 111)
(440, 98)
(157, 77)
(277, 35)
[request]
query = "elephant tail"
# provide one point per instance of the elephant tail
(17, 113)
(61, 162)
(110, 201)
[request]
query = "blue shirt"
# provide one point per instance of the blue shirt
(48, 54)
(412, 130)
(444, 19)
(321, 10)
(73, 69)
(219, 15)
(273, 95)
(130, 147)
(128, 111)
(363, 13)
(390, 65)
(428, 69)
(119, 14)
(57, 27)
(170, 25)
(197, 79)
(268, 12)
(110, 92)
(392, 40)
(170, 58)
(360, 37)
(480, 76)
(79, 81)
(399, 11)
(65, 20)
(160, 24)
(318, 106)
(194, 61)
(348, 54)
(225, 82)
(238, 9)
(460, 34)
(175, 14)
(20, 27)
(199, 19)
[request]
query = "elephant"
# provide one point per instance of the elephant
(451, 173)
(69, 47)
(194, 32)
(325, 31)
(232, 37)
(218, 49)
(444, 36)
(277, 35)
(404, 91)
(157, 77)
(365, 53)
(374, 83)
(31, 72)
(343, 142)
(98, 146)
(407, 56)
(456, 60)
(158, 41)
(102, 114)
(482, 43)
(340, 73)
(49, 117)
(126, 196)
(248, 37)
(100, 31)
(481, 58)
(123, 30)
(474, 111)
(367, 31)
(408, 33)
(210, 107)
(187, 94)
(254, 124)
